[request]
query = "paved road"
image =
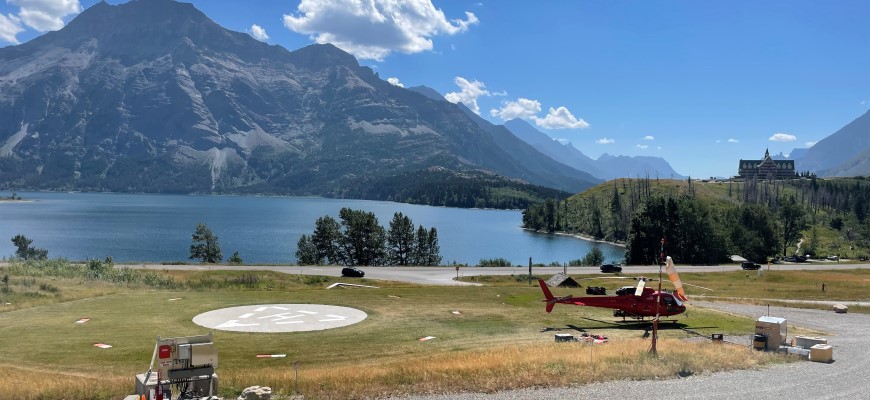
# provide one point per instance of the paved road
(846, 378)
(446, 275)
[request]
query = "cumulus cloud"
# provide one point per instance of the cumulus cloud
(259, 33)
(45, 15)
(375, 28)
(649, 137)
(733, 141)
(10, 27)
(561, 118)
(395, 82)
(810, 144)
(782, 137)
(522, 108)
(641, 146)
(605, 141)
(468, 94)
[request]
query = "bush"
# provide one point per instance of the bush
(494, 262)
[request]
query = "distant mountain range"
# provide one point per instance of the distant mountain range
(846, 152)
(605, 168)
(153, 96)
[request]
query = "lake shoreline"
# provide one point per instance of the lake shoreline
(578, 236)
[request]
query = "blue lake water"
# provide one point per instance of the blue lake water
(141, 227)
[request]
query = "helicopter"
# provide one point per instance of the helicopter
(640, 303)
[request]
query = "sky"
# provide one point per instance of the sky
(701, 84)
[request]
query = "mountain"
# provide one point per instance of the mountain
(636, 167)
(607, 167)
(846, 152)
(564, 153)
(153, 96)
(795, 154)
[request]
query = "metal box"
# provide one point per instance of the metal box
(203, 354)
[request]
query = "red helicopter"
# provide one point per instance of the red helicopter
(636, 304)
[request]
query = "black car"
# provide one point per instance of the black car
(352, 272)
(610, 268)
(749, 265)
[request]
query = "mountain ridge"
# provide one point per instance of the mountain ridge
(180, 104)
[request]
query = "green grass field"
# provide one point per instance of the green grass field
(502, 326)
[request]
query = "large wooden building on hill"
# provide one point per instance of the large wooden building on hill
(767, 168)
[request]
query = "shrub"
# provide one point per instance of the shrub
(494, 262)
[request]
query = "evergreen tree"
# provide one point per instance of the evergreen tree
(364, 240)
(306, 252)
(235, 258)
(421, 250)
(400, 240)
(326, 240)
(205, 245)
(433, 249)
(25, 252)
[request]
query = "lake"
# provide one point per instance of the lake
(264, 230)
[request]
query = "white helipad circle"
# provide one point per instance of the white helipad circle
(273, 318)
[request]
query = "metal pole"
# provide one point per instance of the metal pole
(530, 270)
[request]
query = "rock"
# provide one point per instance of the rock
(256, 393)
(840, 308)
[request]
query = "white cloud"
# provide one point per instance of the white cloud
(468, 94)
(502, 93)
(10, 26)
(395, 82)
(605, 141)
(561, 118)
(782, 137)
(45, 15)
(522, 108)
(641, 146)
(563, 141)
(718, 141)
(733, 141)
(649, 137)
(373, 29)
(810, 144)
(259, 33)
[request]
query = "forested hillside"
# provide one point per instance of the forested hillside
(706, 222)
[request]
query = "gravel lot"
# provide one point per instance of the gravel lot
(848, 377)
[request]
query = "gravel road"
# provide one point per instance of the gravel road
(845, 378)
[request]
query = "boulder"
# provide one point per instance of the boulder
(840, 308)
(256, 393)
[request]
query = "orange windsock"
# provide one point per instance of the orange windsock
(675, 279)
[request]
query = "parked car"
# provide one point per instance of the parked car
(610, 268)
(352, 272)
(749, 265)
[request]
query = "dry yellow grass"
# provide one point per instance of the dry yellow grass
(503, 368)
(509, 367)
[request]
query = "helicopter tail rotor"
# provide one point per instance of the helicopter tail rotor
(551, 301)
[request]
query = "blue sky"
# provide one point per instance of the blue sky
(699, 83)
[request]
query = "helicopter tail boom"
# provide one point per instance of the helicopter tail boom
(549, 295)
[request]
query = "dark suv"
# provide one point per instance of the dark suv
(749, 265)
(352, 272)
(610, 268)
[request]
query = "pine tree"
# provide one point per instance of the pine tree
(205, 245)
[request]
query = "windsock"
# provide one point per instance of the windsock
(675, 279)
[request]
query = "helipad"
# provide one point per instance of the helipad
(273, 318)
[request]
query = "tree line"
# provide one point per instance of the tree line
(756, 219)
(360, 240)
